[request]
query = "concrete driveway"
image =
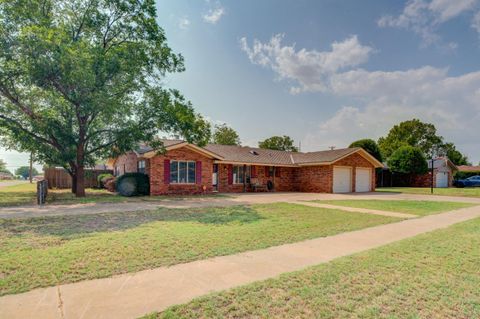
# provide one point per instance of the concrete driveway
(210, 201)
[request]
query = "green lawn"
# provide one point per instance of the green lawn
(467, 192)
(25, 194)
(44, 251)
(420, 208)
(435, 275)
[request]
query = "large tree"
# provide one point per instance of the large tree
(408, 160)
(225, 135)
(370, 146)
(3, 167)
(24, 171)
(449, 150)
(82, 80)
(414, 133)
(280, 143)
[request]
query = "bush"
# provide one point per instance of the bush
(102, 178)
(110, 183)
(133, 184)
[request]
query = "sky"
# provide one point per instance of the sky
(327, 72)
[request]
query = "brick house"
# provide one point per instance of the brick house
(443, 176)
(186, 168)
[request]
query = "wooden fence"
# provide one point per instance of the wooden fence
(59, 177)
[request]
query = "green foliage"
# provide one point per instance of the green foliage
(408, 160)
(454, 155)
(3, 167)
(414, 133)
(102, 177)
(464, 175)
(281, 143)
(82, 80)
(24, 171)
(370, 146)
(133, 184)
(225, 135)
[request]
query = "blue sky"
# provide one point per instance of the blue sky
(328, 72)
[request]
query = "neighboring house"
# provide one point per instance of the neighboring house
(443, 173)
(469, 169)
(5, 176)
(189, 169)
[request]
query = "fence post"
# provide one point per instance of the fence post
(42, 191)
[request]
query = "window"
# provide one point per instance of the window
(182, 172)
(141, 166)
(239, 174)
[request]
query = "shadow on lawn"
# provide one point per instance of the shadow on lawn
(75, 226)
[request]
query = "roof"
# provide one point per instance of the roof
(253, 155)
(468, 168)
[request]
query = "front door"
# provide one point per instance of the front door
(215, 177)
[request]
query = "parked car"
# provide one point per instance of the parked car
(473, 181)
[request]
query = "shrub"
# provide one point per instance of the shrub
(133, 184)
(101, 179)
(110, 183)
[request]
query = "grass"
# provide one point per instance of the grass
(44, 251)
(20, 194)
(25, 194)
(421, 208)
(434, 275)
(464, 192)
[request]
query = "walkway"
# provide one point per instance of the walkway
(209, 201)
(134, 295)
(355, 209)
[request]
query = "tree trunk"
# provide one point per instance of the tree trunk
(80, 172)
(74, 183)
(80, 191)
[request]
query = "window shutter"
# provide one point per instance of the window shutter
(166, 171)
(253, 171)
(267, 171)
(198, 172)
(230, 174)
(277, 171)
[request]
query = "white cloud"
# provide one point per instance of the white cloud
(183, 23)
(423, 17)
(383, 99)
(215, 14)
(310, 69)
(476, 22)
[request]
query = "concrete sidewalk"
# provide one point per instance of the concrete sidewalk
(355, 209)
(133, 295)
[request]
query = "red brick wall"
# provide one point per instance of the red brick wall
(426, 179)
(157, 185)
(356, 160)
(126, 163)
(314, 179)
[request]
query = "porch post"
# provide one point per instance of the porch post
(244, 178)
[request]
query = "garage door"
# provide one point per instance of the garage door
(442, 179)
(363, 180)
(342, 179)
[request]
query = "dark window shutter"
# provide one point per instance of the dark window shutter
(166, 171)
(277, 171)
(198, 172)
(253, 171)
(267, 171)
(230, 174)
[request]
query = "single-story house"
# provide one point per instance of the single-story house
(468, 169)
(443, 173)
(186, 168)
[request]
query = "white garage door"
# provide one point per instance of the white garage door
(442, 179)
(363, 180)
(342, 180)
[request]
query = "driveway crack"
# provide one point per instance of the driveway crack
(60, 303)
